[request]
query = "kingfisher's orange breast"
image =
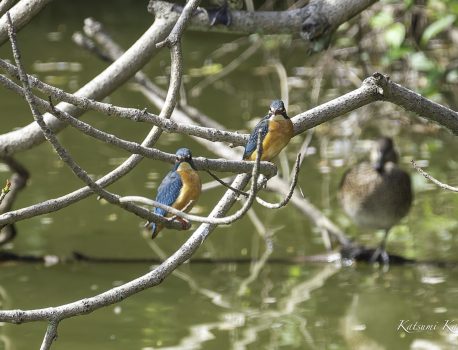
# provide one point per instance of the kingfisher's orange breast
(278, 136)
(191, 189)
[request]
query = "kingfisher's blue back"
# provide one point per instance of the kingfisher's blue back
(179, 189)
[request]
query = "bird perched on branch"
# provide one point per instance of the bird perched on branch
(179, 189)
(276, 131)
(222, 14)
(377, 194)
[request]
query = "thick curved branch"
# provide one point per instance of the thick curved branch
(22, 13)
(99, 87)
(313, 20)
(5, 5)
(378, 87)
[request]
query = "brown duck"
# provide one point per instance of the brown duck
(377, 194)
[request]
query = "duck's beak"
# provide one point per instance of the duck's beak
(379, 162)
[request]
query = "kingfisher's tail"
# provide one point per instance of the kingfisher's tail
(155, 229)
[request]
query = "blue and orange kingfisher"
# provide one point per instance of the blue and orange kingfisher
(276, 131)
(179, 189)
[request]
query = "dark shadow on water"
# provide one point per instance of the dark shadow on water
(347, 256)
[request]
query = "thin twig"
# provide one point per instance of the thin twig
(288, 196)
(50, 335)
(217, 179)
(432, 179)
(174, 37)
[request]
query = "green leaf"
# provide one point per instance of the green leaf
(395, 34)
(436, 27)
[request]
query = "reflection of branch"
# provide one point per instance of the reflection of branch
(197, 89)
(286, 306)
(216, 298)
(432, 179)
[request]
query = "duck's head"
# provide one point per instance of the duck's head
(277, 108)
(382, 153)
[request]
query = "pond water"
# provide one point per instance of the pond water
(217, 306)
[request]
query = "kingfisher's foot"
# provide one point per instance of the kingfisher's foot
(380, 255)
(220, 15)
(185, 224)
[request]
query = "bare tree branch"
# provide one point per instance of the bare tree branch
(5, 5)
(50, 335)
(432, 179)
(175, 35)
(21, 14)
(311, 21)
(267, 168)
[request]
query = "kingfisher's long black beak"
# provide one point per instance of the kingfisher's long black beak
(188, 160)
(281, 112)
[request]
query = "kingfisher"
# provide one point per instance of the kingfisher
(179, 189)
(377, 194)
(276, 131)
